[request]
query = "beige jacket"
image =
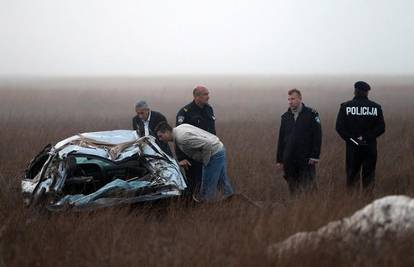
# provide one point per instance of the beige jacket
(196, 143)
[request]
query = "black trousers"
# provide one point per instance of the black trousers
(300, 176)
(193, 175)
(357, 158)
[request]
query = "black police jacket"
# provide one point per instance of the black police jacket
(299, 140)
(202, 118)
(156, 118)
(360, 117)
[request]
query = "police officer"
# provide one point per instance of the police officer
(200, 114)
(299, 145)
(360, 122)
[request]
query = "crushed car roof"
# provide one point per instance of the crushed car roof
(121, 166)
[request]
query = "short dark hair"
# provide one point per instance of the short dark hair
(358, 92)
(294, 90)
(163, 127)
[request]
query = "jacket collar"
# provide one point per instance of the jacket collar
(360, 97)
(194, 105)
(301, 110)
(173, 132)
(149, 117)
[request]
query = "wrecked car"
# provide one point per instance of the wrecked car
(101, 169)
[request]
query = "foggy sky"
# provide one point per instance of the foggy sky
(158, 37)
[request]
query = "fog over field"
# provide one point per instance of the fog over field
(68, 67)
(164, 37)
(36, 112)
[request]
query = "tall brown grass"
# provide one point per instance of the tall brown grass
(248, 111)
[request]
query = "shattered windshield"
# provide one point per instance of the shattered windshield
(86, 160)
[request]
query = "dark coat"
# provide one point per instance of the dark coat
(360, 117)
(156, 118)
(200, 117)
(299, 140)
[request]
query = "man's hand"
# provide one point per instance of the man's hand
(362, 141)
(312, 161)
(279, 165)
(185, 164)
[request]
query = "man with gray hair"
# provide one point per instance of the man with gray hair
(145, 122)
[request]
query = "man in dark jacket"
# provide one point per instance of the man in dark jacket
(299, 145)
(145, 122)
(360, 122)
(200, 114)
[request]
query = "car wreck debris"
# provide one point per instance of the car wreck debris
(101, 169)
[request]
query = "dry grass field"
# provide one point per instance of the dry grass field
(35, 113)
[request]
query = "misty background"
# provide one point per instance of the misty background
(163, 37)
